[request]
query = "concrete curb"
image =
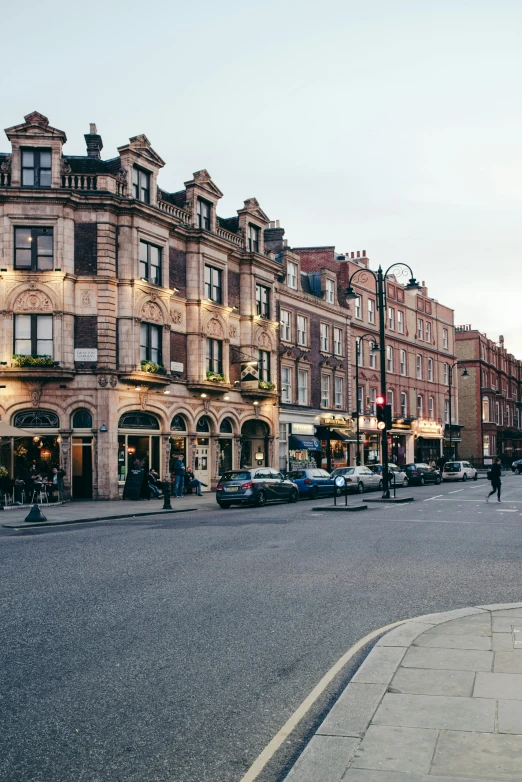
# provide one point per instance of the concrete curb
(329, 752)
(50, 523)
(341, 508)
(393, 500)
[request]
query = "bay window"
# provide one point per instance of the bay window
(33, 335)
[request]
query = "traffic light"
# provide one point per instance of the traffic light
(381, 412)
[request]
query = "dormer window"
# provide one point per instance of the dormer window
(330, 291)
(203, 214)
(36, 167)
(253, 239)
(141, 185)
(291, 275)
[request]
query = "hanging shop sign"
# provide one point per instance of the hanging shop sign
(424, 427)
(329, 420)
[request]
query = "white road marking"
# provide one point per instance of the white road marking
(455, 491)
(434, 497)
(506, 510)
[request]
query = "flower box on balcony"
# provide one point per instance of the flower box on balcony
(33, 361)
(267, 385)
(155, 369)
(216, 377)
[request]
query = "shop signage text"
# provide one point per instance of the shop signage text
(303, 428)
(86, 354)
(330, 421)
(176, 366)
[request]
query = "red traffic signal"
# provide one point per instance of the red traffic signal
(380, 400)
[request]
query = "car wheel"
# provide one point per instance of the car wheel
(294, 496)
(360, 487)
(422, 480)
(405, 482)
(475, 477)
(224, 505)
(464, 477)
(437, 481)
(261, 499)
(381, 484)
(313, 493)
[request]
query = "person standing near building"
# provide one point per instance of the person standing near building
(496, 483)
(179, 475)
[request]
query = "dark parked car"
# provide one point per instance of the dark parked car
(517, 466)
(314, 482)
(254, 487)
(421, 473)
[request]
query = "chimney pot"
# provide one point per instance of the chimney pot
(353, 255)
(358, 253)
(364, 253)
(94, 142)
(92, 127)
(277, 224)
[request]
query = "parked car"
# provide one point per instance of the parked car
(421, 473)
(459, 471)
(314, 482)
(395, 474)
(254, 487)
(517, 466)
(358, 479)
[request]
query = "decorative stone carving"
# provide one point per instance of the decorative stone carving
(167, 326)
(5, 165)
(35, 392)
(151, 312)
(58, 314)
(113, 381)
(144, 400)
(176, 316)
(85, 299)
(232, 331)
(263, 341)
(102, 381)
(32, 300)
(7, 314)
(215, 329)
(65, 167)
(121, 176)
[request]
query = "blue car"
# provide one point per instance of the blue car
(313, 483)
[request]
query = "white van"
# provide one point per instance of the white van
(459, 471)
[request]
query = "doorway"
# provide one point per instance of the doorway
(202, 462)
(82, 468)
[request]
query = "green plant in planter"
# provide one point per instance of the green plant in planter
(4, 473)
(155, 369)
(32, 361)
(267, 385)
(216, 377)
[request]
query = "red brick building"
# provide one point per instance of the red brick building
(490, 398)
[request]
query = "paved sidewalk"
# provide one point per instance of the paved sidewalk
(102, 510)
(438, 699)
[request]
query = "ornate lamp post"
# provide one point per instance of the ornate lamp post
(358, 347)
(380, 279)
(450, 385)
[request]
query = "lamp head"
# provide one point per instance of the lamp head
(350, 293)
(413, 285)
(465, 373)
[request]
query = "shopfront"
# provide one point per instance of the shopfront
(254, 444)
(299, 447)
(225, 446)
(400, 443)
(138, 443)
(337, 438)
(39, 453)
(428, 440)
(178, 441)
(370, 440)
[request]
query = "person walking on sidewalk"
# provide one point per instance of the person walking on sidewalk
(496, 483)
(179, 474)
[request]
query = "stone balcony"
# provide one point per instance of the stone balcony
(251, 390)
(44, 373)
(138, 377)
(209, 386)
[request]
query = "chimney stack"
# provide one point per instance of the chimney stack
(94, 142)
(273, 236)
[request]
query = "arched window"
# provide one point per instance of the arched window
(226, 426)
(36, 419)
(81, 419)
(138, 420)
(485, 408)
(203, 425)
(178, 424)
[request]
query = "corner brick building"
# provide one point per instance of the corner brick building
(490, 399)
(136, 323)
(420, 344)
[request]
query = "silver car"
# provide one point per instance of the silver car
(358, 479)
(255, 486)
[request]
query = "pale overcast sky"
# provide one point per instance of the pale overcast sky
(389, 126)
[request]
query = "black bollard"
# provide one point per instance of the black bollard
(35, 514)
(166, 496)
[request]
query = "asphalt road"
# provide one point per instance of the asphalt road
(154, 650)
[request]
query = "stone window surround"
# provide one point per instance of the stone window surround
(290, 367)
(23, 220)
(217, 263)
(143, 235)
(331, 402)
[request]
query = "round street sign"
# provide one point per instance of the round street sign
(339, 481)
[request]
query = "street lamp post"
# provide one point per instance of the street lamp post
(380, 279)
(450, 386)
(358, 348)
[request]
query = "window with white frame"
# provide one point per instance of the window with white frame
(400, 321)
(485, 408)
(391, 318)
(325, 337)
(33, 335)
(286, 384)
(420, 328)
(360, 392)
(291, 275)
(430, 369)
(203, 210)
(302, 330)
(404, 368)
(286, 326)
(445, 339)
(302, 387)
(339, 402)
(404, 404)
(330, 291)
(419, 406)
(419, 367)
(253, 238)
(338, 341)
(359, 350)
(325, 390)
(428, 331)
(446, 411)
(389, 358)
(373, 356)
(389, 398)
(445, 373)
(431, 408)
(263, 365)
(485, 445)
(371, 311)
(358, 308)
(373, 401)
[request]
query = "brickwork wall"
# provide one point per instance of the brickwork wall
(178, 351)
(178, 270)
(85, 336)
(233, 288)
(85, 248)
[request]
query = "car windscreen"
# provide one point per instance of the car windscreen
(343, 471)
(235, 475)
(295, 475)
(452, 466)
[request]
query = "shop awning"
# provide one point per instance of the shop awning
(338, 434)
(429, 436)
(304, 443)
